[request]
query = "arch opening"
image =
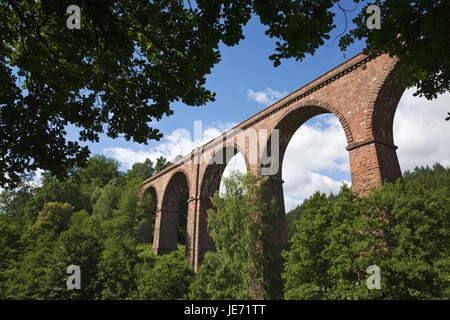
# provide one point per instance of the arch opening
(314, 159)
(214, 173)
(147, 208)
(176, 199)
(420, 131)
(236, 163)
(171, 221)
(312, 144)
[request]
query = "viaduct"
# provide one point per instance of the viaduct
(362, 93)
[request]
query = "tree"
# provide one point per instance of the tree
(293, 216)
(9, 249)
(305, 270)
(52, 190)
(116, 74)
(80, 245)
(107, 201)
(413, 32)
(13, 201)
(140, 171)
(166, 277)
(130, 60)
(402, 228)
(99, 171)
(161, 163)
(239, 227)
(117, 275)
(54, 217)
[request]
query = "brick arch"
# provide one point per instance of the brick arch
(171, 192)
(386, 98)
(145, 231)
(295, 117)
(166, 223)
(212, 174)
(209, 181)
(154, 194)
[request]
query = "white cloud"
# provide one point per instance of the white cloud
(421, 132)
(310, 183)
(237, 163)
(315, 151)
(179, 142)
(266, 97)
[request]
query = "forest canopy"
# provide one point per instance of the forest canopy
(93, 220)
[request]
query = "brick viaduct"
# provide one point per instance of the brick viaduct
(362, 93)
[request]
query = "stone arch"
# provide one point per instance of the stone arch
(209, 182)
(166, 224)
(171, 192)
(145, 232)
(213, 171)
(292, 120)
(154, 192)
(387, 96)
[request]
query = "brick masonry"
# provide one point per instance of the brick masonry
(362, 93)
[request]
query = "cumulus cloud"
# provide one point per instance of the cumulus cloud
(237, 163)
(316, 157)
(421, 132)
(267, 96)
(179, 142)
(314, 160)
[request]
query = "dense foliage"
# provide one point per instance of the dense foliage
(403, 228)
(239, 227)
(94, 220)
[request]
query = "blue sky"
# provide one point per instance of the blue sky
(245, 82)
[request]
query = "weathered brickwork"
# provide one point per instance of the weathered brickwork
(362, 93)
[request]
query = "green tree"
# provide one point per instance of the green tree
(412, 31)
(52, 190)
(117, 275)
(26, 276)
(13, 201)
(161, 163)
(140, 171)
(291, 217)
(80, 246)
(166, 277)
(305, 272)
(435, 177)
(402, 228)
(239, 228)
(9, 249)
(107, 201)
(54, 217)
(98, 171)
